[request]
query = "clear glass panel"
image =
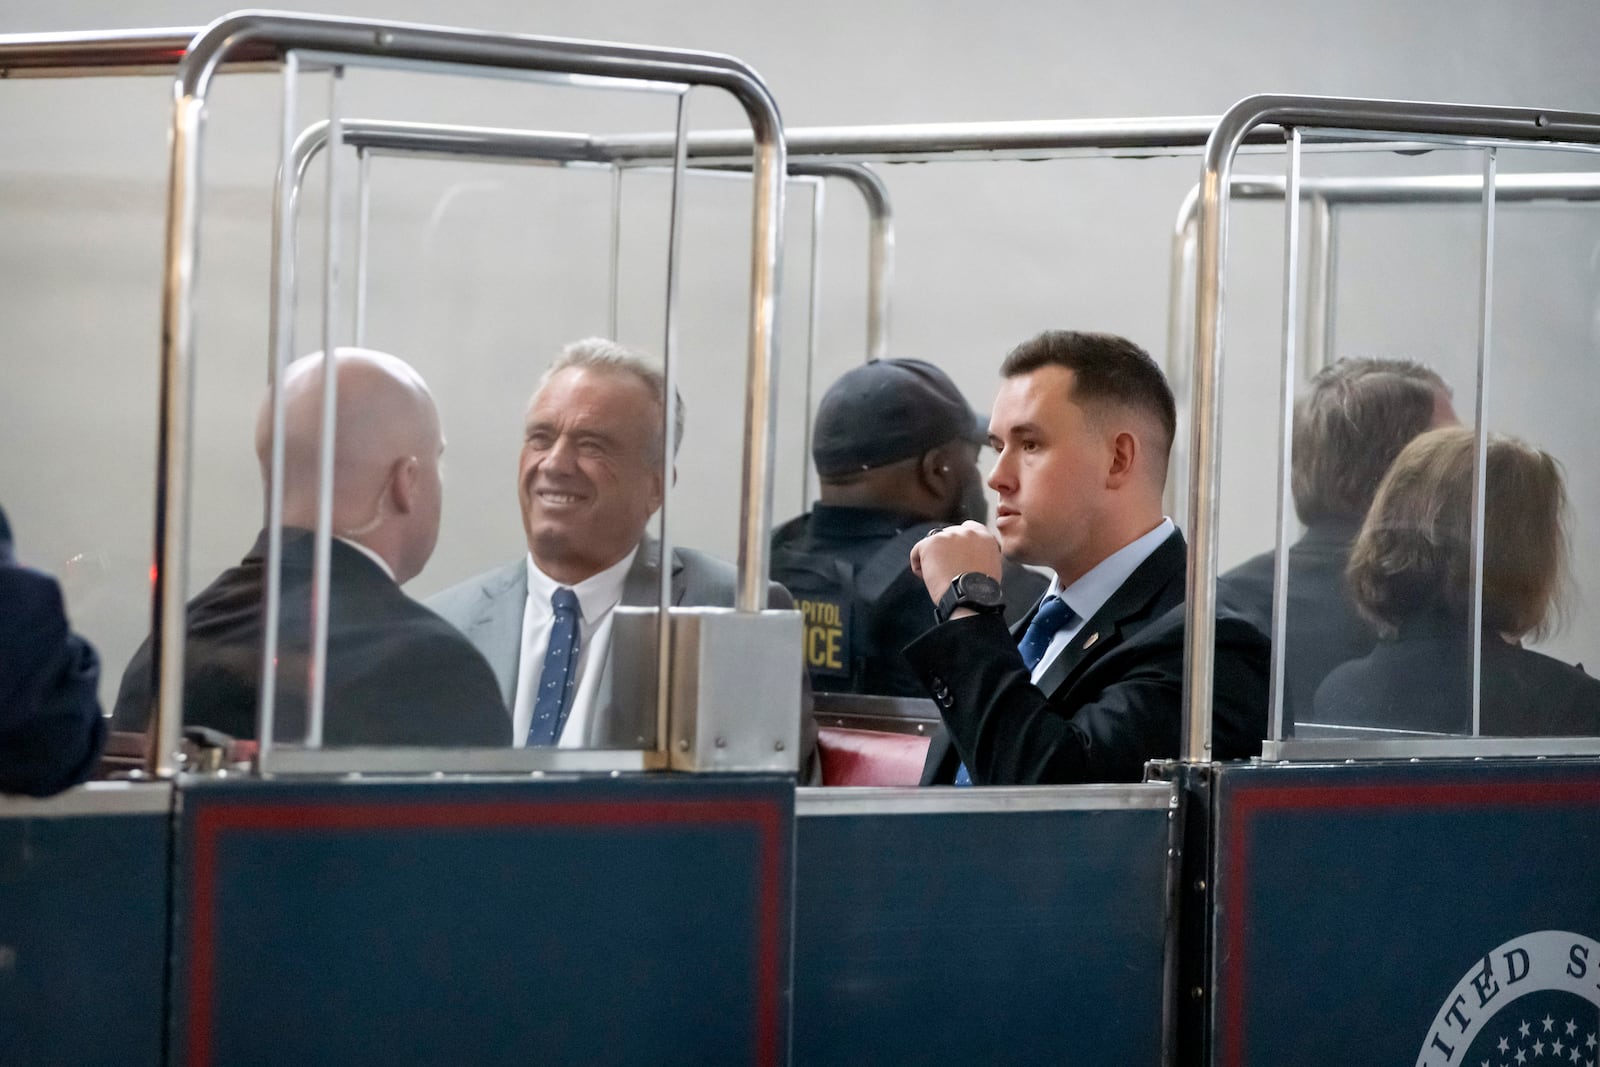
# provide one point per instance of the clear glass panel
(1381, 604)
(1388, 298)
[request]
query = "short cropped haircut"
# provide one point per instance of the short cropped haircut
(1105, 369)
(1348, 428)
(600, 354)
(1414, 552)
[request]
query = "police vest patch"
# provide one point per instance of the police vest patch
(1533, 1000)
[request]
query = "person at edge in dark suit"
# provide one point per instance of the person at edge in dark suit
(51, 728)
(588, 481)
(397, 674)
(1411, 574)
(896, 450)
(1348, 427)
(1089, 686)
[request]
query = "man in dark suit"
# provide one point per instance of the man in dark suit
(1350, 425)
(397, 674)
(1083, 424)
(896, 450)
(51, 729)
(589, 479)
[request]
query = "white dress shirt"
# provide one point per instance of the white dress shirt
(1089, 594)
(597, 595)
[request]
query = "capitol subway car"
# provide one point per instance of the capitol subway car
(716, 862)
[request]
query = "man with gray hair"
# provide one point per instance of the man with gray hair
(397, 674)
(589, 480)
(1349, 426)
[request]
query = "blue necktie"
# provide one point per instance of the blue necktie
(1053, 616)
(559, 677)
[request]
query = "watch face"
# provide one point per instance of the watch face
(980, 590)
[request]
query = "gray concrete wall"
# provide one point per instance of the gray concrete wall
(479, 273)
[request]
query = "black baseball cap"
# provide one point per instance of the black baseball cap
(889, 410)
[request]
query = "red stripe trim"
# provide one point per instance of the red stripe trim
(1249, 801)
(211, 822)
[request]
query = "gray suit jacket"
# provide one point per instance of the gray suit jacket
(488, 609)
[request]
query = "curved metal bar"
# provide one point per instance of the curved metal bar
(1403, 118)
(251, 32)
(880, 242)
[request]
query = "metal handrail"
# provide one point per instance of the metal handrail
(412, 45)
(1475, 124)
(912, 142)
(109, 52)
(880, 242)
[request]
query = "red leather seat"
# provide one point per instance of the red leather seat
(870, 757)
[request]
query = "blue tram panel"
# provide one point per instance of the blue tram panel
(83, 926)
(612, 921)
(1434, 914)
(992, 937)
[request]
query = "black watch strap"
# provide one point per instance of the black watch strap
(974, 590)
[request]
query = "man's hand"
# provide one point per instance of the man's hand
(938, 558)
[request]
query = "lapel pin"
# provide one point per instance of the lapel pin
(1087, 645)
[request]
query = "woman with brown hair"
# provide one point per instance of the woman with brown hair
(1410, 574)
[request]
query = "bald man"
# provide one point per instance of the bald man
(397, 673)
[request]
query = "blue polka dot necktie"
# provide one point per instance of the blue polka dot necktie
(560, 674)
(1052, 617)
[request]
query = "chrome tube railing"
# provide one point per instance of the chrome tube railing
(106, 53)
(916, 142)
(350, 41)
(1458, 124)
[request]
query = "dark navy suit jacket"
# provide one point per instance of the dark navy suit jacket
(1323, 628)
(51, 729)
(1110, 702)
(397, 673)
(1421, 679)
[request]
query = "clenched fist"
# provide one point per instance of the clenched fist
(938, 558)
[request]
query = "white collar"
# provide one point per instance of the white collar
(1089, 594)
(373, 556)
(597, 594)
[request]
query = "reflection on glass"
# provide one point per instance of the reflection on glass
(1411, 574)
(1354, 419)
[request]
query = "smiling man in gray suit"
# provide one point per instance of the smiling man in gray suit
(588, 482)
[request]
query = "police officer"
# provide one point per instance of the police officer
(896, 450)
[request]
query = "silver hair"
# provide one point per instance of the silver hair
(601, 354)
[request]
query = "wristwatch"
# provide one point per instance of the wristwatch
(974, 590)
